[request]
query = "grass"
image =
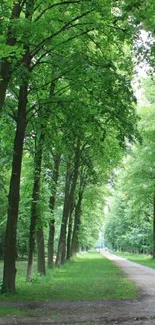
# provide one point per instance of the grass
(138, 258)
(4, 311)
(27, 314)
(87, 277)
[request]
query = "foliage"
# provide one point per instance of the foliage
(129, 226)
(142, 17)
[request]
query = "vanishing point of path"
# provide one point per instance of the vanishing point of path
(123, 312)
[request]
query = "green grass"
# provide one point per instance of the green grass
(4, 311)
(27, 314)
(138, 258)
(86, 277)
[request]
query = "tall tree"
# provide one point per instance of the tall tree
(13, 198)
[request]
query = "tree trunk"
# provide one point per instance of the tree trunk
(4, 80)
(5, 66)
(68, 203)
(52, 206)
(36, 192)
(75, 240)
(70, 226)
(34, 210)
(153, 246)
(41, 251)
(9, 273)
(62, 238)
(51, 243)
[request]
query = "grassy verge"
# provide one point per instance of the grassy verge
(86, 277)
(138, 258)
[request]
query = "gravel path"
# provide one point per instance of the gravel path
(126, 312)
(143, 276)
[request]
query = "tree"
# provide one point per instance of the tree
(13, 198)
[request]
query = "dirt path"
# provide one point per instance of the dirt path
(126, 312)
(143, 276)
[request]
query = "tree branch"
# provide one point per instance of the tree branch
(63, 28)
(55, 5)
(64, 42)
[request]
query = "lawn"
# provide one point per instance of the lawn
(138, 258)
(87, 277)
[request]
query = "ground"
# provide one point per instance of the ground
(126, 312)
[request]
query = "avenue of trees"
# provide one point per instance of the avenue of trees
(67, 112)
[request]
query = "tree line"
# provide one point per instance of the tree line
(130, 222)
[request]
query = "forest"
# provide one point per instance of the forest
(69, 125)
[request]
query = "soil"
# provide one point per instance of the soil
(104, 312)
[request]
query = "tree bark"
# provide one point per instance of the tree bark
(52, 206)
(9, 273)
(69, 237)
(41, 252)
(153, 239)
(77, 217)
(34, 210)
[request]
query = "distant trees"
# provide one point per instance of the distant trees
(130, 223)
